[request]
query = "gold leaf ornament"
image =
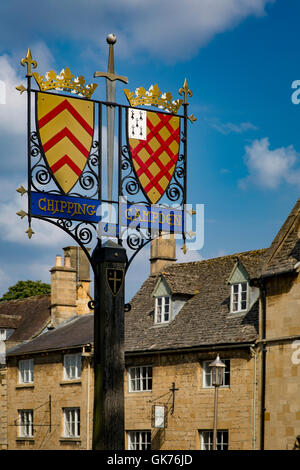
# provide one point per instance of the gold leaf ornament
(30, 232)
(153, 97)
(65, 81)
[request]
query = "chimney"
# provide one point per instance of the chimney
(63, 290)
(80, 263)
(163, 252)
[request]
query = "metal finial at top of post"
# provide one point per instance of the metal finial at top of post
(184, 90)
(111, 38)
(30, 62)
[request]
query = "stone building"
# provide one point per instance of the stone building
(50, 389)
(279, 339)
(243, 307)
(20, 320)
(24, 320)
(180, 319)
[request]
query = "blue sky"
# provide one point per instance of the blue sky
(240, 58)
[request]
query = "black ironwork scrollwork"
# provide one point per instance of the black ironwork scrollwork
(89, 180)
(130, 184)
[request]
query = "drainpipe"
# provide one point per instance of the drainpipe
(88, 356)
(88, 408)
(263, 367)
(254, 354)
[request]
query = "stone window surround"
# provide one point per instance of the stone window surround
(206, 438)
(136, 438)
(68, 376)
(132, 380)
(205, 372)
(25, 371)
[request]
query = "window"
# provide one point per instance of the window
(207, 374)
(239, 297)
(25, 423)
(162, 309)
(139, 440)
(206, 440)
(140, 379)
(72, 366)
(71, 422)
(26, 371)
(2, 334)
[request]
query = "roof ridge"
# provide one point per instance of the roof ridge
(234, 255)
(32, 297)
(286, 228)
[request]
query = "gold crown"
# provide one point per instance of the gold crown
(65, 81)
(153, 97)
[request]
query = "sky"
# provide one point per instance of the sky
(240, 58)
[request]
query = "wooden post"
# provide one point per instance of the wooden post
(109, 262)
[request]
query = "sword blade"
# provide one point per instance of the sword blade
(110, 96)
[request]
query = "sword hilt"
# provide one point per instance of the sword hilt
(110, 74)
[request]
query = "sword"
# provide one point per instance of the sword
(111, 78)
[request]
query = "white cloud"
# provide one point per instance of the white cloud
(229, 127)
(13, 112)
(13, 115)
(169, 30)
(269, 168)
(13, 228)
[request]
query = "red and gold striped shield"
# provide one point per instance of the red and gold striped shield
(155, 155)
(66, 128)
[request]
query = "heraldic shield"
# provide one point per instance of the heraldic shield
(154, 140)
(66, 128)
(115, 278)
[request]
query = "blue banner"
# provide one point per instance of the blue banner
(165, 219)
(152, 217)
(65, 207)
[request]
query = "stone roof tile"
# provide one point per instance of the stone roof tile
(29, 316)
(284, 251)
(204, 318)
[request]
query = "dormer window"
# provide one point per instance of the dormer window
(3, 334)
(239, 297)
(162, 309)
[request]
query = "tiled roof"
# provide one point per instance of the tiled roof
(28, 316)
(204, 318)
(9, 321)
(77, 331)
(284, 252)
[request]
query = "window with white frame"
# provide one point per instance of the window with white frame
(207, 374)
(3, 335)
(139, 440)
(25, 423)
(206, 440)
(26, 371)
(140, 379)
(239, 297)
(72, 366)
(71, 422)
(162, 309)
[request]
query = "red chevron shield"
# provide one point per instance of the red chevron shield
(66, 129)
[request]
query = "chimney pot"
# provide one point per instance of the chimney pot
(67, 261)
(58, 260)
